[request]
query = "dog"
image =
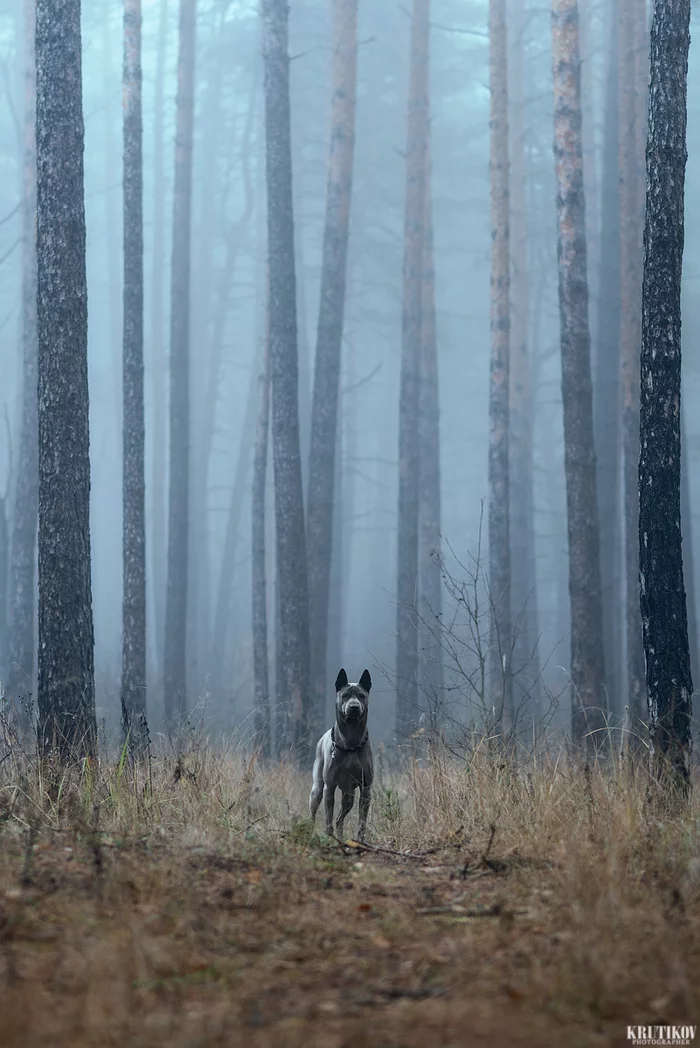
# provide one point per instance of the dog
(344, 757)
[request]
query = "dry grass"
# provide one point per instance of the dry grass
(204, 910)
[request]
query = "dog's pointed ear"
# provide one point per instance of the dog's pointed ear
(341, 681)
(366, 681)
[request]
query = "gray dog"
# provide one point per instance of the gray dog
(344, 756)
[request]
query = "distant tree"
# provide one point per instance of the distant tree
(606, 387)
(22, 582)
(430, 539)
(134, 521)
(526, 662)
(407, 702)
(587, 657)
(261, 666)
(178, 525)
(631, 175)
(663, 599)
(66, 694)
(158, 358)
(499, 389)
(292, 637)
(325, 406)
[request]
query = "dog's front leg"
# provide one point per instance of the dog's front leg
(328, 805)
(365, 798)
(346, 804)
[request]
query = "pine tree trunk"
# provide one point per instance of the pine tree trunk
(22, 583)
(689, 556)
(501, 681)
(261, 672)
(430, 542)
(134, 554)
(158, 544)
(293, 635)
(178, 525)
(663, 600)
(631, 168)
(526, 660)
(607, 414)
(407, 701)
(324, 417)
(66, 692)
(587, 659)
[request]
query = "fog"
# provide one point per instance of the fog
(228, 308)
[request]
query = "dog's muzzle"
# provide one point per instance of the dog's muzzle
(353, 710)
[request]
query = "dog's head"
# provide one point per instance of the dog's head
(352, 700)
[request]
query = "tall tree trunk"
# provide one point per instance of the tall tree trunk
(293, 636)
(324, 417)
(501, 687)
(134, 605)
(22, 585)
(689, 556)
(526, 661)
(587, 659)
(430, 542)
(407, 701)
(607, 414)
(158, 543)
(663, 600)
(631, 169)
(111, 213)
(261, 670)
(178, 529)
(66, 670)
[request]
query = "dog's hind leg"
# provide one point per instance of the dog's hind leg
(345, 809)
(365, 798)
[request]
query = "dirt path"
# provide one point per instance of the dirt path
(143, 944)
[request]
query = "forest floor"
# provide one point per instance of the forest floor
(204, 910)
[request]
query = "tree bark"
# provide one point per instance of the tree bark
(501, 683)
(325, 406)
(261, 666)
(526, 659)
(587, 658)
(293, 636)
(607, 413)
(22, 584)
(430, 540)
(663, 599)
(66, 692)
(134, 521)
(407, 701)
(158, 544)
(631, 167)
(178, 529)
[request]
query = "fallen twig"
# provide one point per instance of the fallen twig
(354, 846)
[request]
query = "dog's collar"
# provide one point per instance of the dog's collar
(348, 749)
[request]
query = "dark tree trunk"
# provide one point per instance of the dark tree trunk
(501, 681)
(526, 661)
(324, 417)
(663, 600)
(430, 543)
(407, 701)
(587, 658)
(134, 551)
(607, 415)
(631, 173)
(158, 355)
(261, 670)
(293, 635)
(22, 584)
(66, 691)
(178, 530)
(688, 532)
